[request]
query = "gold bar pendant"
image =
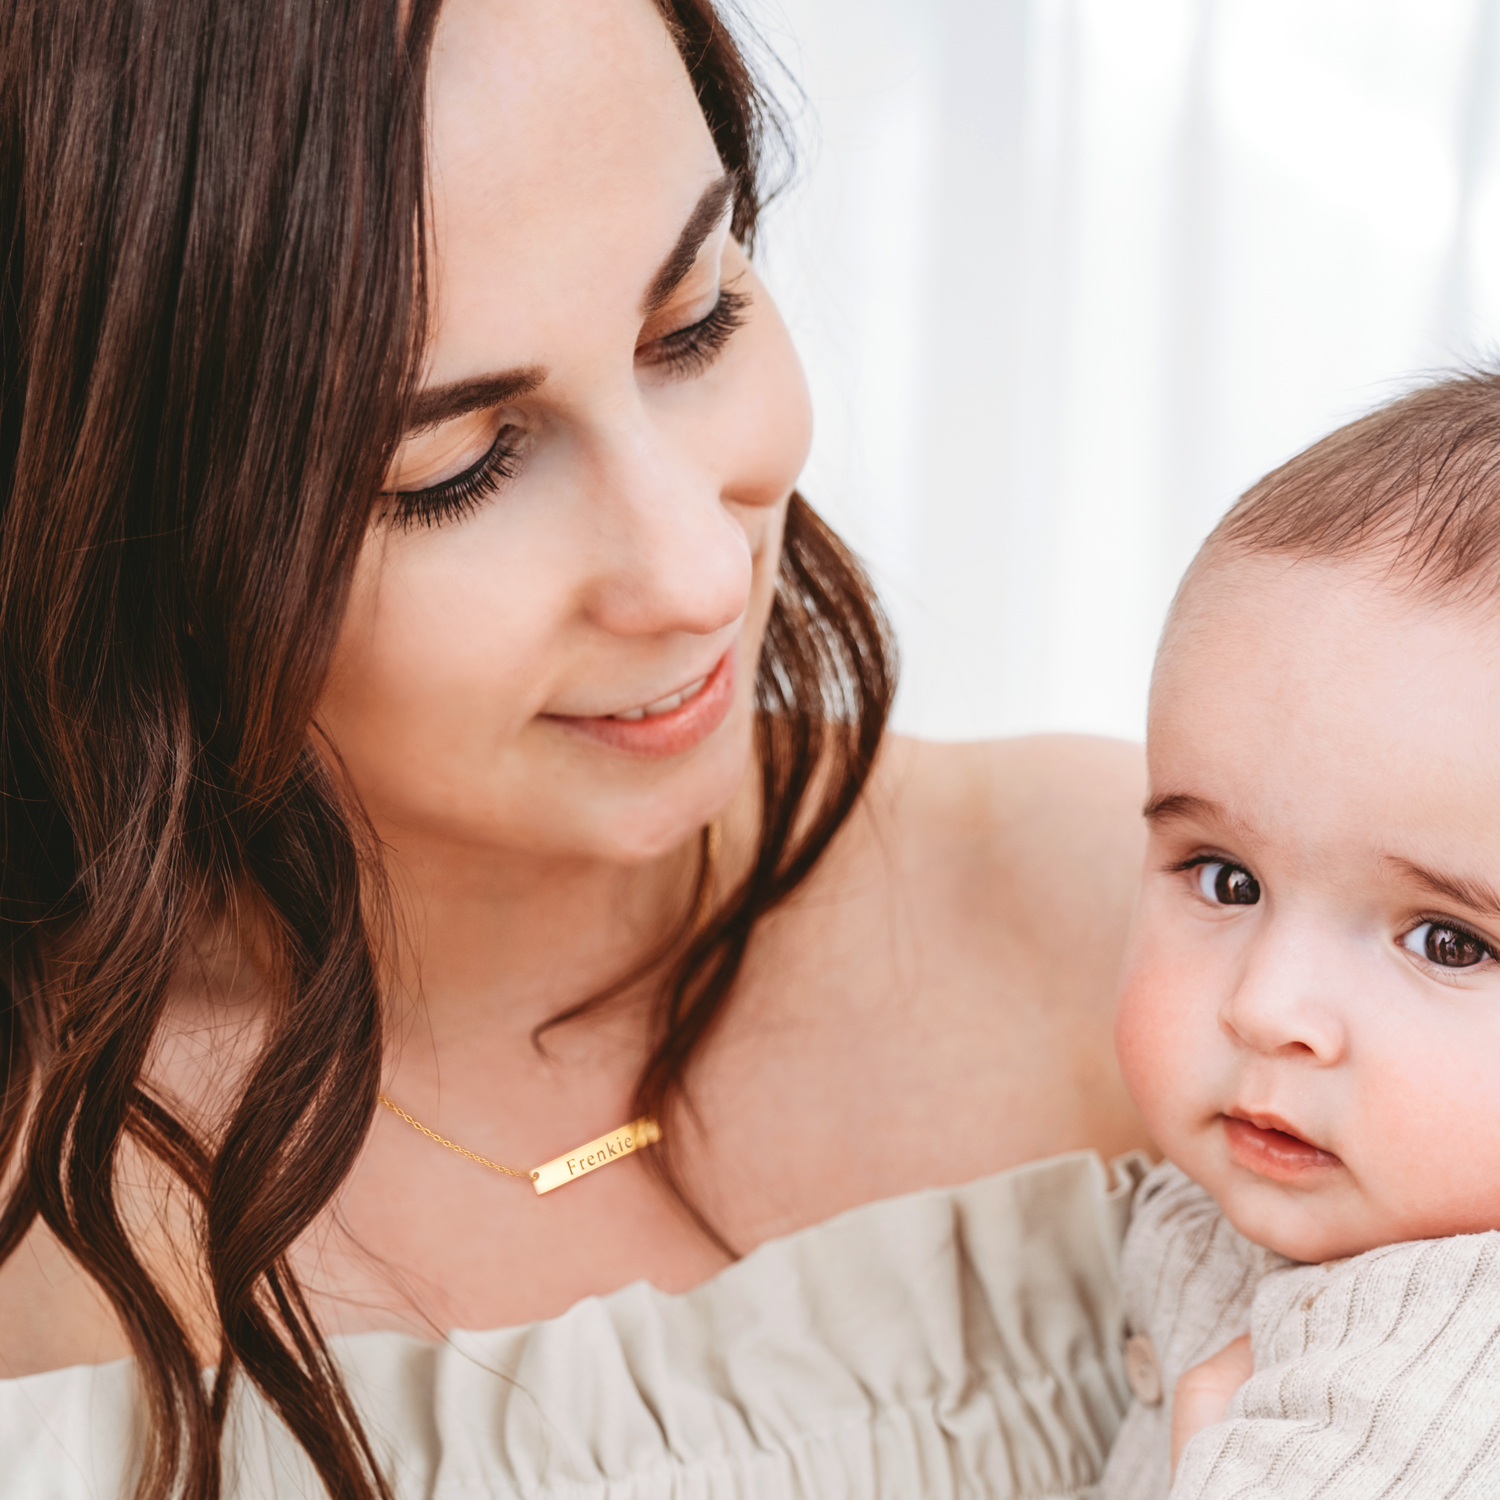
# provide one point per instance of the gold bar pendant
(595, 1154)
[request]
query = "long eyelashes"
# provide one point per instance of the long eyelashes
(693, 349)
(463, 493)
(686, 352)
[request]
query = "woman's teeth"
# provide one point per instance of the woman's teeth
(663, 705)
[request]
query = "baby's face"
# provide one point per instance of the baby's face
(1310, 1021)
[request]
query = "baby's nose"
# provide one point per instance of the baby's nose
(1278, 1008)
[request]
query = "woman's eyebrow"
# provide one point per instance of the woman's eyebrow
(1474, 894)
(441, 403)
(704, 219)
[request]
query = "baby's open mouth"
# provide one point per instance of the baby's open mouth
(1270, 1147)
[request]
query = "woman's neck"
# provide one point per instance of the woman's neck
(483, 949)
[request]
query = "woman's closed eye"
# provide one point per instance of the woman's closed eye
(462, 493)
(1446, 945)
(1221, 881)
(689, 351)
(683, 353)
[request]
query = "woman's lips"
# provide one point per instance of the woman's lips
(655, 736)
(1272, 1152)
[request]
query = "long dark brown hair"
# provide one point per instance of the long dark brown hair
(211, 312)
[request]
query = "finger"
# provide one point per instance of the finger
(1203, 1394)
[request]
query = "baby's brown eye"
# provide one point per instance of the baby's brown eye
(1448, 947)
(1229, 885)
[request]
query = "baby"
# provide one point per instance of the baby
(1310, 1019)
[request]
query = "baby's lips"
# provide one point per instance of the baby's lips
(1270, 1146)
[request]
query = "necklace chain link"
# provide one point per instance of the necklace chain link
(443, 1140)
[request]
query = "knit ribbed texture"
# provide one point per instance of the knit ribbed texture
(1376, 1378)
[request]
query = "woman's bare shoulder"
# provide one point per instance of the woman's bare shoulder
(1010, 774)
(960, 952)
(1025, 855)
(51, 1314)
(1043, 818)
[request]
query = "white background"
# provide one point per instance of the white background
(1068, 275)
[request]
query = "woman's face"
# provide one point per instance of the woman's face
(586, 522)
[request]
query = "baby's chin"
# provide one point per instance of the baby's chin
(1310, 1242)
(1310, 1226)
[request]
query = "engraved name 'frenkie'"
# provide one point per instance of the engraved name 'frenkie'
(595, 1154)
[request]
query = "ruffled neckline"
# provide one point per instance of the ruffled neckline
(949, 1341)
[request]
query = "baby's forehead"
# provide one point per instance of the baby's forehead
(1305, 660)
(1339, 608)
(1334, 717)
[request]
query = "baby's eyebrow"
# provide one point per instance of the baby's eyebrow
(1188, 807)
(1474, 894)
(1183, 807)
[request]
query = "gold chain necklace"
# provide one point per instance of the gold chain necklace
(561, 1170)
(621, 1142)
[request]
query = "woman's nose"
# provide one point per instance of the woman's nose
(1286, 1001)
(666, 555)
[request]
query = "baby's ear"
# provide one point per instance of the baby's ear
(1203, 1393)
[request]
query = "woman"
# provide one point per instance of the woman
(436, 735)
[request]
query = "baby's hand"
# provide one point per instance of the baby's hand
(1203, 1393)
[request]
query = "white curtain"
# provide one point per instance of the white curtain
(1067, 275)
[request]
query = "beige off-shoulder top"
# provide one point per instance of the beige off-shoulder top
(955, 1342)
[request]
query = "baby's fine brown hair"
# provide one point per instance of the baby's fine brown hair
(1414, 487)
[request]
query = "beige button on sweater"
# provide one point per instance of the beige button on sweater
(1376, 1378)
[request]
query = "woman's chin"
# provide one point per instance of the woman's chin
(635, 833)
(631, 813)
(630, 820)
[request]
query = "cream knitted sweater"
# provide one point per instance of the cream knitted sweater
(1376, 1378)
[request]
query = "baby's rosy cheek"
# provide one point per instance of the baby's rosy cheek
(1156, 1038)
(1138, 1038)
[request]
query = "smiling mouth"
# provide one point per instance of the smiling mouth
(666, 726)
(1269, 1147)
(662, 705)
